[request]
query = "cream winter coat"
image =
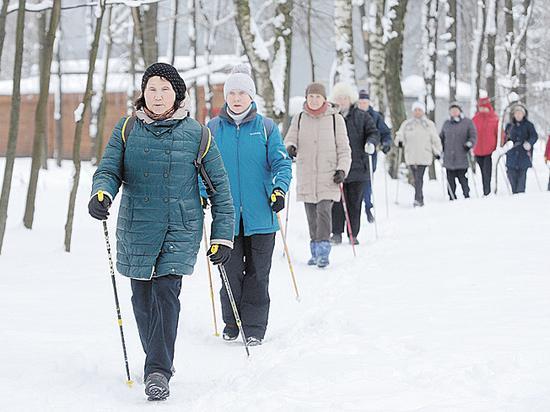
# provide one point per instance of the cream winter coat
(420, 140)
(320, 153)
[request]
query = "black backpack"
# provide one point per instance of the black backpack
(206, 140)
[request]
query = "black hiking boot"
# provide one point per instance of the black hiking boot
(156, 387)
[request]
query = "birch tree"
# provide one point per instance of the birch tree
(345, 66)
(451, 47)
(491, 34)
(377, 55)
(477, 49)
(80, 112)
(14, 120)
(430, 11)
(58, 100)
(40, 116)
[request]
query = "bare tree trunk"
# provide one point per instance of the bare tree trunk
(101, 113)
(172, 32)
(192, 31)
(79, 117)
(132, 69)
(283, 52)
(477, 49)
(309, 42)
(364, 30)
(40, 119)
(430, 17)
(452, 47)
(345, 66)
(260, 63)
(14, 120)
(58, 101)
(145, 24)
(490, 68)
(3, 14)
(522, 58)
(42, 19)
(509, 39)
(377, 58)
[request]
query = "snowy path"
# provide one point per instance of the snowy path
(448, 311)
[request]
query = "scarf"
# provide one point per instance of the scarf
(238, 118)
(321, 110)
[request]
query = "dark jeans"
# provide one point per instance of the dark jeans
(459, 174)
(517, 178)
(418, 176)
(486, 165)
(319, 219)
(248, 274)
(367, 196)
(353, 192)
(156, 308)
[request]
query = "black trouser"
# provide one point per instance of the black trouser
(517, 178)
(486, 165)
(353, 192)
(248, 274)
(418, 176)
(319, 219)
(459, 174)
(156, 308)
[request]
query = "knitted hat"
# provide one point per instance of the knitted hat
(455, 104)
(519, 108)
(345, 89)
(240, 79)
(364, 95)
(418, 105)
(169, 73)
(485, 102)
(316, 88)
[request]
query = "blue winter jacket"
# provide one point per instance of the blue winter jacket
(160, 219)
(519, 133)
(256, 162)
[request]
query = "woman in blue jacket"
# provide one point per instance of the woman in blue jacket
(259, 172)
(521, 136)
(160, 219)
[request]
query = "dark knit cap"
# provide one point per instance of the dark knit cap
(167, 72)
(363, 94)
(316, 88)
(455, 104)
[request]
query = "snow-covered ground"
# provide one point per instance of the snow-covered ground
(448, 310)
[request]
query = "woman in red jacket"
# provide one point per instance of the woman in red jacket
(486, 123)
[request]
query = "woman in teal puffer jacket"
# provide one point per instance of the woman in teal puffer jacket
(160, 219)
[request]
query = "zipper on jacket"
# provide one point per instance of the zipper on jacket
(239, 178)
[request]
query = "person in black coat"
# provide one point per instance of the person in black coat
(521, 136)
(385, 145)
(363, 137)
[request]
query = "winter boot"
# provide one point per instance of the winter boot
(230, 333)
(313, 246)
(336, 239)
(370, 216)
(156, 387)
(253, 341)
(323, 251)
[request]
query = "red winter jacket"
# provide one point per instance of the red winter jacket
(547, 151)
(487, 129)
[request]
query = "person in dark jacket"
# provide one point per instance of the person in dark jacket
(260, 171)
(160, 219)
(385, 145)
(520, 135)
(486, 123)
(363, 138)
(458, 136)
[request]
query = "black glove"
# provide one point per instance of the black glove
(339, 177)
(468, 145)
(219, 254)
(400, 145)
(204, 202)
(99, 209)
(437, 157)
(277, 200)
(386, 148)
(292, 152)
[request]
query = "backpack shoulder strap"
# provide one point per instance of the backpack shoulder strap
(300, 119)
(334, 124)
(268, 127)
(127, 127)
(204, 146)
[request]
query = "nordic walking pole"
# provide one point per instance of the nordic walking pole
(129, 381)
(233, 304)
(283, 235)
(386, 190)
(210, 281)
(399, 155)
(348, 222)
(373, 197)
(472, 173)
(286, 218)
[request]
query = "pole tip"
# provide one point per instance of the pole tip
(298, 298)
(129, 383)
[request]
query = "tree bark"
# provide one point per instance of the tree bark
(377, 58)
(14, 120)
(522, 58)
(430, 17)
(452, 47)
(309, 41)
(509, 40)
(3, 14)
(145, 26)
(345, 66)
(172, 32)
(365, 32)
(283, 39)
(40, 117)
(58, 102)
(490, 69)
(477, 50)
(394, 59)
(192, 31)
(80, 124)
